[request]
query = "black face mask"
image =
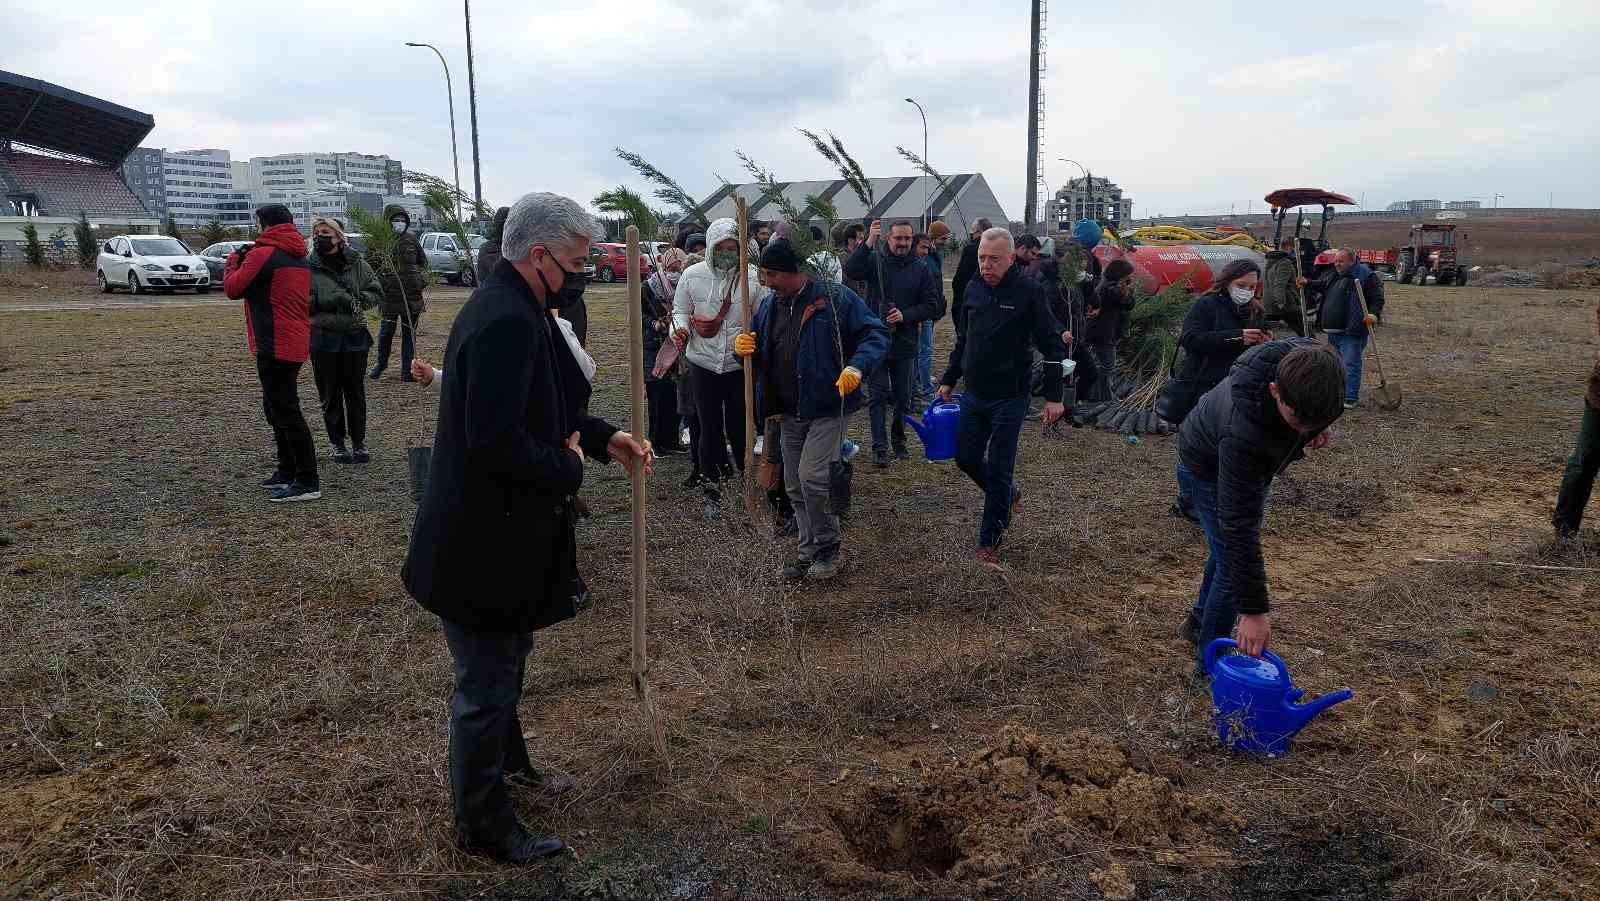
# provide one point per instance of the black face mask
(323, 245)
(571, 291)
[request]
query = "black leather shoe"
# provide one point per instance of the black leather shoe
(521, 846)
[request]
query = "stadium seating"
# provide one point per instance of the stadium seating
(64, 187)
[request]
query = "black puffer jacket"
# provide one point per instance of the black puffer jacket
(1212, 338)
(966, 271)
(403, 283)
(1112, 323)
(999, 326)
(911, 289)
(1235, 438)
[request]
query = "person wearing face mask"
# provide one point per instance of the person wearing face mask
(810, 341)
(1221, 324)
(1276, 403)
(656, 299)
(403, 280)
(343, 286)
(901, 292)
(707, 315)
(493, 549)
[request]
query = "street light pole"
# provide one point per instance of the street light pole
(472, 103)
(451, 94)
(926, 213)
(1088, 184)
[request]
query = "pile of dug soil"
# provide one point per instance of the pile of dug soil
(987, 818)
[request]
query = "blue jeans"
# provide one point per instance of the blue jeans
(922, 380)
(986, 450)
(1350, 348)
(1215, 608)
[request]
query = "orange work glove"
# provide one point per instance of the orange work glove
(849, 381)
(745, 344)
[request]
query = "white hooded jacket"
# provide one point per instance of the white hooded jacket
(700, 293)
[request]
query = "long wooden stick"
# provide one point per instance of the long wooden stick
(641, 665)
(1558, 569)
(749, 364)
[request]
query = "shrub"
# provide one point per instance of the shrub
(88, 248)
(32, 247)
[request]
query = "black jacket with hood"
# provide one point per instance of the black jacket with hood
(402, 284)
(1236, 438)
(1213, 338)
(911, 289)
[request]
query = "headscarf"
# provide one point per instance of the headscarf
(665, 282)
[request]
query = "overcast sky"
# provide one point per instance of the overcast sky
(1192, 109)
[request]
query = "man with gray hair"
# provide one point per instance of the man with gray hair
(493, 551)
(1004, 312)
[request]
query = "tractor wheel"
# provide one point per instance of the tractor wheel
(1403, 268)
(1461, 275)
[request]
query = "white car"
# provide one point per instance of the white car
(143, 263)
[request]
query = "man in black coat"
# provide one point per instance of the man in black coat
(1277, 403)
(902, 292)
(966, 268)
(1006, 315)
(493, 549)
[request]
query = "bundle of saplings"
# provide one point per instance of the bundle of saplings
(1145, 360)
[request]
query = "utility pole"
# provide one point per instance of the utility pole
(472, 100)
(1030, 206)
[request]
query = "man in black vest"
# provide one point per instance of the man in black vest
(493, 550)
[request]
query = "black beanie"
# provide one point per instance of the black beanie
(1117, 270)
(274, 214)
(780, 256)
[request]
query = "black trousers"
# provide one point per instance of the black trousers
(485, 732)
(342, 388)
(662, 396)
(889, 389)
(280, 399)
(577, 316)
(719, 400)
(1577, 482)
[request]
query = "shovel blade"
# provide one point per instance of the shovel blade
(1389, 397)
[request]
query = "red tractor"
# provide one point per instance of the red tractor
(1431, 251)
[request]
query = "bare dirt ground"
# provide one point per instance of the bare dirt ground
(210, 697)
(1490, 241)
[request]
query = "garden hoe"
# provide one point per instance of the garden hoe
(1389, 396)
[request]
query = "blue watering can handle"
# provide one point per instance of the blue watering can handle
(1283, 668)
(928, 411)
(1213, 649)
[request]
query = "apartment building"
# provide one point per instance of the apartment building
(183, 184)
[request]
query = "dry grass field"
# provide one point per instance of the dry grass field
(206, 696)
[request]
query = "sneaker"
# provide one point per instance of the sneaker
(826, 567)
(848, 450)
(797, 570)
(880, 458)
(359, 454)
(989, 558)
(1351, 404)
(294, 492)
(374, 374)
(275, 481)
(900, 453)
(341, 454)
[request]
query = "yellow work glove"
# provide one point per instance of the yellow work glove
(745, 344)
(849, 381)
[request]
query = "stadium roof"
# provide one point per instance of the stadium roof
(51, 117)
(962, 199)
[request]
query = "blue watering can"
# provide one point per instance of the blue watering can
(938, 427)
(1255, 700)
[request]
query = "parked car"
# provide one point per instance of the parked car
(216, 257)
(448, 258)
(150, 262)
(357, 241)
(611, 264)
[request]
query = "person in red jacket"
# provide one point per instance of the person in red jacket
(273, 279)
